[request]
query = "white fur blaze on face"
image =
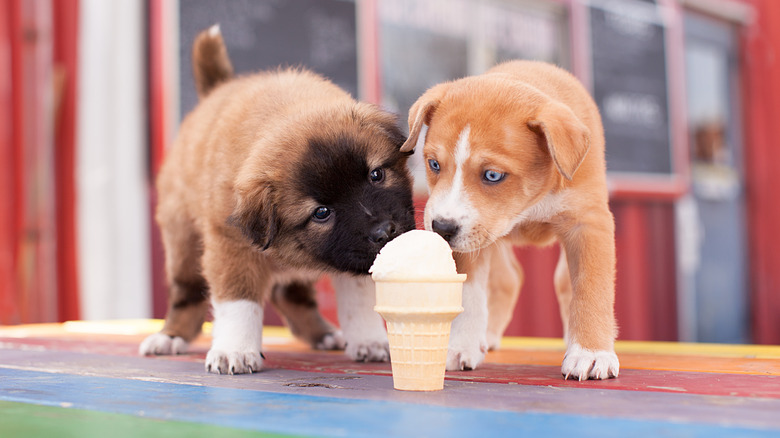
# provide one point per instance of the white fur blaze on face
(583, 364)
(237, 338)
(454, 204)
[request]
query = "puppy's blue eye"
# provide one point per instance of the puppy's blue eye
(434, 165)
(377, 175)
(321, 214)
(493, 176)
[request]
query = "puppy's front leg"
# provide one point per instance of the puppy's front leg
(237, 338)
(363, 328)
(239, 282)
(590, 253)
(468, 337)
(505, 279)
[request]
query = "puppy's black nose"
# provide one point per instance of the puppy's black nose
(384, 232)
(446, 229)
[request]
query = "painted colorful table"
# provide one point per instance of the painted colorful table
(85, 379)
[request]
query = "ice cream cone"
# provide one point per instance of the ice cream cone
(419, 314)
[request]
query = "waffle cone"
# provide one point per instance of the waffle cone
(419, 316)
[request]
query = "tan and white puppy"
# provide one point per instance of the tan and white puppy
(516, 156)
(274, 179)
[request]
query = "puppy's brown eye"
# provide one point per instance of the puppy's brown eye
(377, 175)
(321, 214)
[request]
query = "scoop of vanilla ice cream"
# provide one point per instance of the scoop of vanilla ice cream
(414, 254)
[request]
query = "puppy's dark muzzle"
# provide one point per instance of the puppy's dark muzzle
(384, 232)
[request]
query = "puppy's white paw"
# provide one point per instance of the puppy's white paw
(582, 364)
(237, 338)
(162, 344)
(332, 341)
(466, 357)
(368, 351)
(233, 362)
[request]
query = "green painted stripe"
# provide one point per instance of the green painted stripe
(22, 420)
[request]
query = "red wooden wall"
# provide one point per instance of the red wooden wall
(159, 136)
(38, 275)
(27, 245)
(8, 235)
(65, 57)
(761, 91)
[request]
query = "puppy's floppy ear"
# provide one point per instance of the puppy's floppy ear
(567, 138)
(255, 215)
(420, 115)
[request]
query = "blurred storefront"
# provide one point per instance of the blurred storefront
(688, 91)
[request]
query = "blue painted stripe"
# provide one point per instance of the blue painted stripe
(322, 416)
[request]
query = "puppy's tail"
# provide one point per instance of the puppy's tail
(210, 62)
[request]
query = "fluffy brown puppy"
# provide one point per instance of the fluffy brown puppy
(516, 156)
(273, 180)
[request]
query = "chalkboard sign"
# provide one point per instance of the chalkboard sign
(264, 34)
(630, 85)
